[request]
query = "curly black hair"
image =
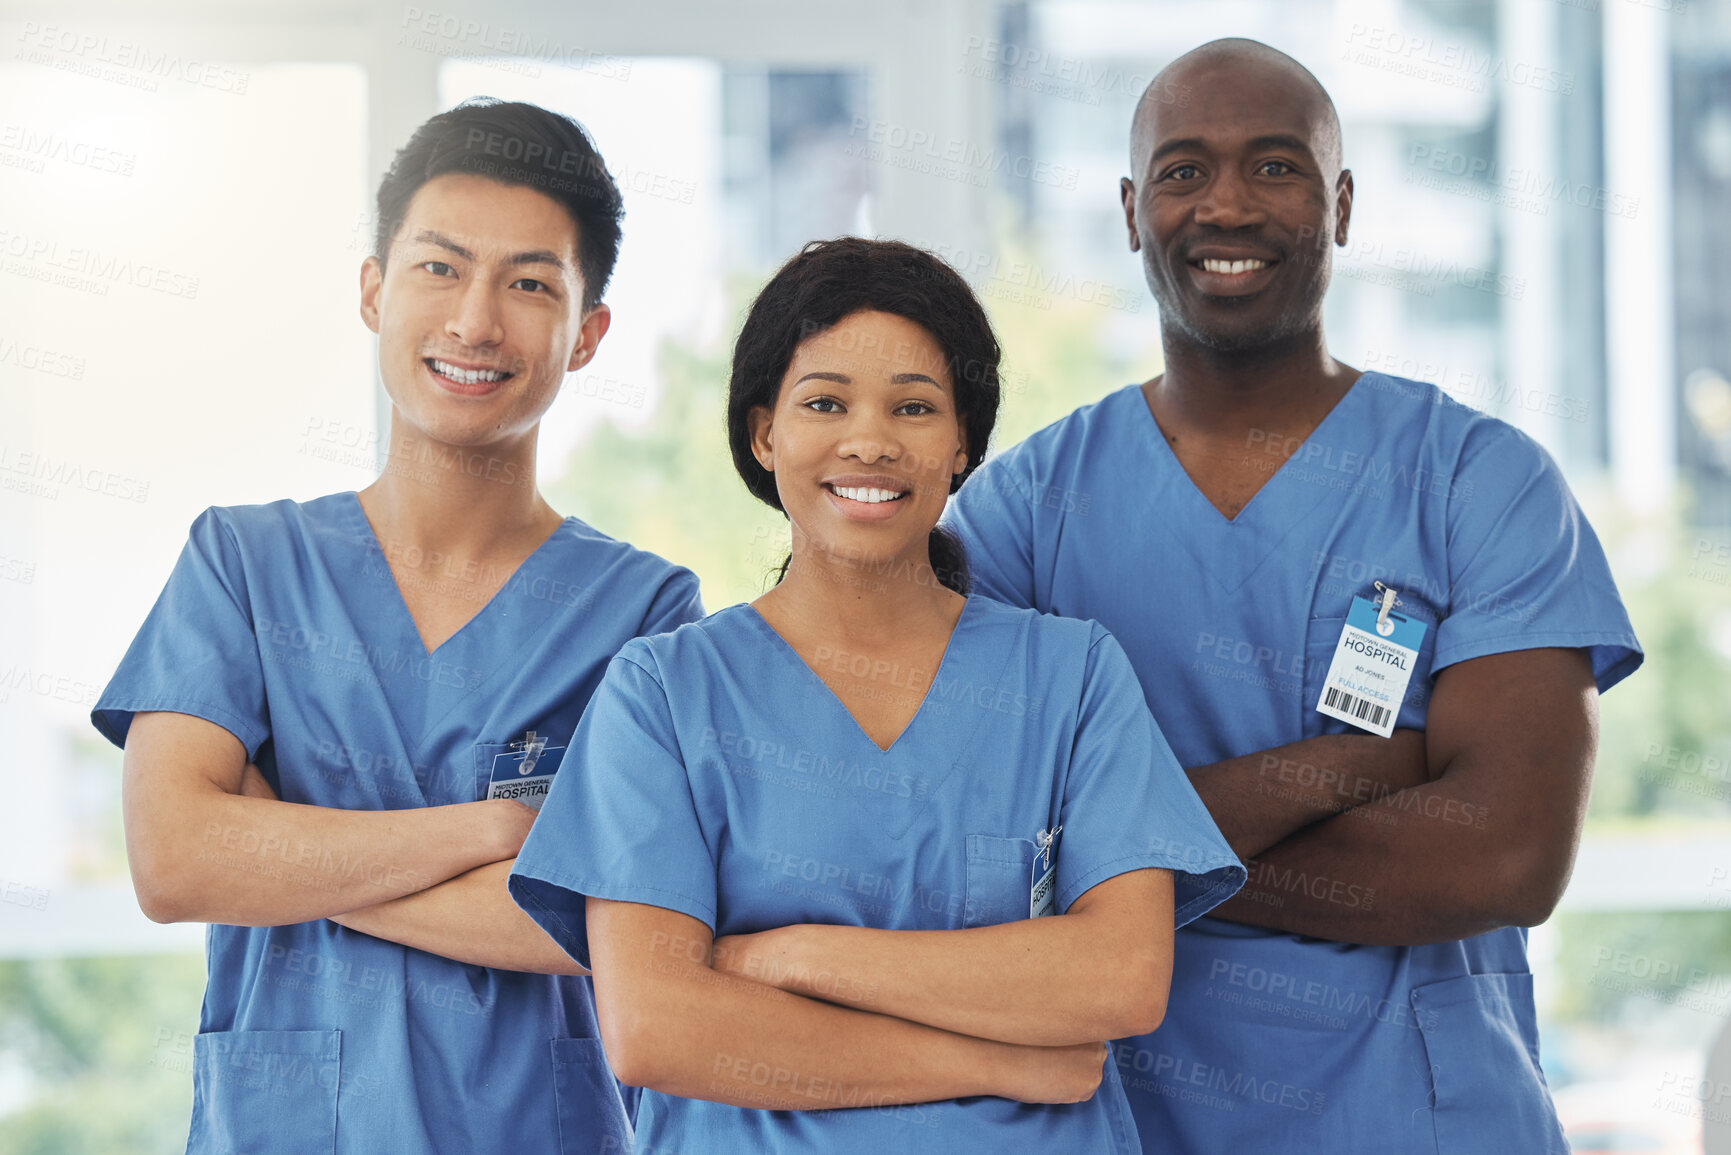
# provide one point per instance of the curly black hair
(828, 281)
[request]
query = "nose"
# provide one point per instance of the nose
(1230, 203)
(869, 436)
(477, 319)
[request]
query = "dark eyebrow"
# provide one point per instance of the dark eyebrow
(538, 257)
(1282, 140)
(429, 237)
(1272, 140)
(1182, 142)
(844, 379)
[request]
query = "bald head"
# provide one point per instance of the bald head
(1236, 198)
(1232, 67)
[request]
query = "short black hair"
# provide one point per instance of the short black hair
(516, 144)
(825, 283)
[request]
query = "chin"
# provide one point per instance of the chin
(464, 430)
(1241, 334)
(853, 545)
(1234, 340)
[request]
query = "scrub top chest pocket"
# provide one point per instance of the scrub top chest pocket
(521, 770)
(1010, 879)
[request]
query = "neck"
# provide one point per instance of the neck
(868, 599)
(457, 500)
(1292, 382)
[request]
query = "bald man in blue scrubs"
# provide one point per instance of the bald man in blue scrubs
(1373, 624)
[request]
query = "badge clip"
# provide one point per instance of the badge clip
(1044, 841)
(1387, 602)
(532, 745)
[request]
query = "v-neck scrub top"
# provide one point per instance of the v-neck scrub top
(283, 624)
(715, 774)
(1274, 1039)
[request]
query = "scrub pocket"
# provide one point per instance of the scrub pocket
(485, 752)
(999, 882)
(1490, 1096)
(586, 1099)
(250, 1089)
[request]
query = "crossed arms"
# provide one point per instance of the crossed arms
(925, 1015)
(1467, 827)
(208, 841)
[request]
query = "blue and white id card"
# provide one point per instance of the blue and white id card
(1372, 665)
(524, 775)
(1043, 877)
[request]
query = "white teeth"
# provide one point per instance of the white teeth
(467, 376)
(867, 495)
(1213, 265)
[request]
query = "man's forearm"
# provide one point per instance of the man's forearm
(471, 919)
(1260, 799)
(1487, 843)
(208, 841)
(1420, 866)
(256, 862)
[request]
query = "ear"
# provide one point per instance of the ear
(1342, 205)
(762, 441)
(372, 281)
(589, 335)
(961, 461)
(1127, 195)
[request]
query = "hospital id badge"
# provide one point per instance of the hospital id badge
(524, 774)
(1373, 662)
(1043, 878)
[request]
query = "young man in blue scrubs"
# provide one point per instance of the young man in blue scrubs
(1373, 624)
(399, 667)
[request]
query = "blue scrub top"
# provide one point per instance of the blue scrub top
(717, 775)
(282, 624)
(1231, 626)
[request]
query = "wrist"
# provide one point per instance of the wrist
(502, 833)
(1005, 1070)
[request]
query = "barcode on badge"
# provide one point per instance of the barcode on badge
(1361, 708)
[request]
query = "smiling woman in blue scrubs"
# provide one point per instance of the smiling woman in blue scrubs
(807, 842)
(396, 666)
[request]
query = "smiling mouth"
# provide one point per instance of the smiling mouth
(1232, 268)
(867, 494)
(463, 376)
